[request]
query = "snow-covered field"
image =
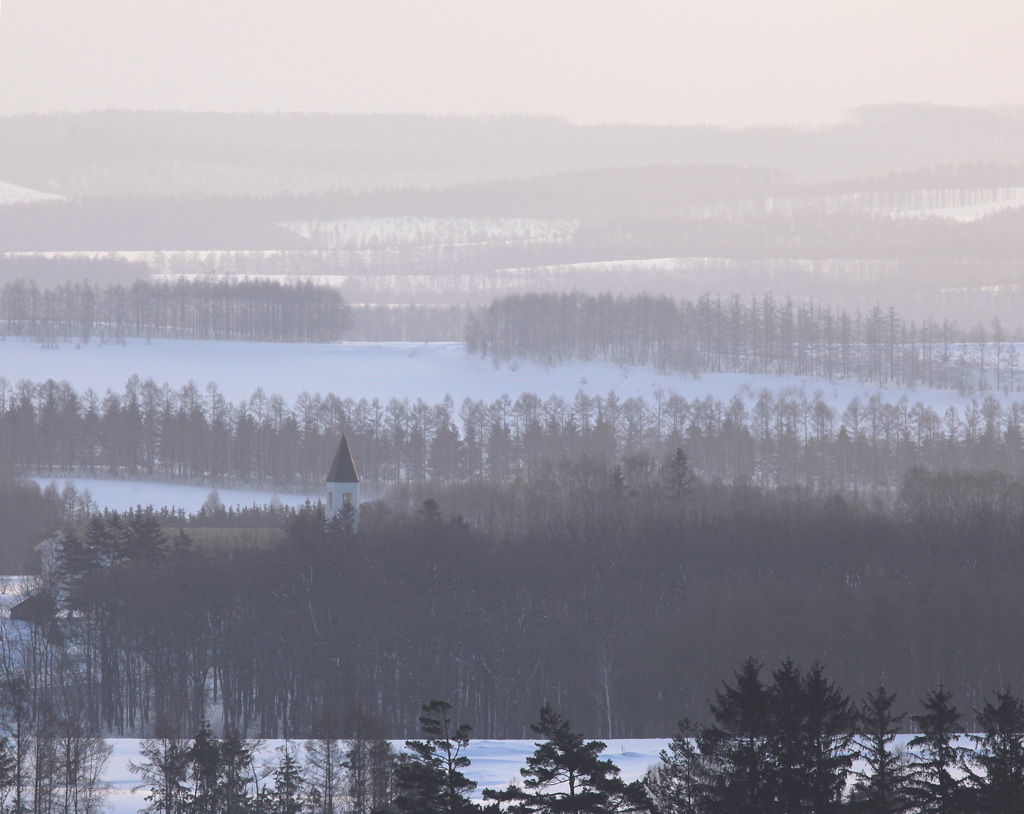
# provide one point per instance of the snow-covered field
(494, 764)
(398, 370)
(122, 495)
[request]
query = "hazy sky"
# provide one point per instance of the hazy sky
(732, 62)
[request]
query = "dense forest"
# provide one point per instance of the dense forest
(622, 605)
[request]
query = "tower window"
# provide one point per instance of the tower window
(346, 499)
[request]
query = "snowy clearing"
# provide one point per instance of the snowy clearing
(122, 495)
(494, 765)
(427, 371)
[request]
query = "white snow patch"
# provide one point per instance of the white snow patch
(410, 370)
(122, 495)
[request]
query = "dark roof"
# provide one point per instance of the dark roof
(37, 607)
(343, 470)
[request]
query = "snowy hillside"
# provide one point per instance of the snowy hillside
(400, 370)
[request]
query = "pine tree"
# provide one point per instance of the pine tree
(76, 562)
(165, 771)
(787, 767)
(830, 721)
(737, 743)
(999, 753)
(429, 778)
(566, 775)
(289, 784)
(145, 539)
(680, 782)
(678, 477)
(882, 786)
(204, 766)
(236, 774)
(938, 785)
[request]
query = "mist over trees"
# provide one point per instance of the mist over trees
(771, 439)
(764, 335)
(208, 308)
(604, 560)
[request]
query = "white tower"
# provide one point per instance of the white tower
(342, 483)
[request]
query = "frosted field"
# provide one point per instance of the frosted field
(122, 495)
(494, 765)
(400, 370)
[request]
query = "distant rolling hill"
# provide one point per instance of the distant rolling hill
(126, 153)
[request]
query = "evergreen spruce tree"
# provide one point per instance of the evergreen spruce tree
(882, 787)
(145, 539)
(829, 727)
(341, 527)
(204, 767)
(181, 542)
(939, 768)
(288, 794)
(736, 744)
(678, 476)
(165, 771)
(999, 754)
(237, 774)
(787, 767)
(76, 562)
(429, 778)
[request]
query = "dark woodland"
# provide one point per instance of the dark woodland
(620, 602)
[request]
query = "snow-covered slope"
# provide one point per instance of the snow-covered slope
(397, 369)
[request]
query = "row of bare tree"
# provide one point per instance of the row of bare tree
(776, 439)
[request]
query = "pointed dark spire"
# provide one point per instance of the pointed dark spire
(343, 470)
